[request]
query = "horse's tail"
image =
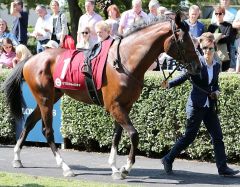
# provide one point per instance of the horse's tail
(12, 89)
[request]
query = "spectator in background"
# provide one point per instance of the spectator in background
(51, 44)
(85, 39)
(22, 53)
(7, 53)
(132, 16)
(4, 33)
(42, 27)
(153, 10)
(227, 36)
(103, 31)
(58, 23)
(196, 28)
(161, 11)
(229, 17)
(89, 19)
(236, 25)
(201, 108)
(113, 19)
(20, 24)
(230, 12)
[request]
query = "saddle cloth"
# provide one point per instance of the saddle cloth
(68, 73)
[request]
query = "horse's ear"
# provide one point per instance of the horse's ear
(179, 23)
(178, 18)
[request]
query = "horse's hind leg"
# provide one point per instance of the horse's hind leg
(29, 125)
(46, 108)
(113, 154)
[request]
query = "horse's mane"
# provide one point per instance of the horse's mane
(143, 24)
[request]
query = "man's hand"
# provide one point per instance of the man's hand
(214, 95)
(165, 84)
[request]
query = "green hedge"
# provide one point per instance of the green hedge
(7, 128)
(158, 115)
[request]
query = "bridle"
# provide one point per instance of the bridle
(180, 50)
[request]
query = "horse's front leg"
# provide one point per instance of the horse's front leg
(133, 134)
(121, 116)
(29, 125)
(116, 174)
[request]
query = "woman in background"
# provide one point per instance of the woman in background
(113, 19)
(7, 53)
(85, 40)
(22, 53)
(224, 34)
(59, 23)
(5, 33)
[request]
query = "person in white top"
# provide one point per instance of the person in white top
(89, 19)
(42, 27)
(59, 23)
(132, 16)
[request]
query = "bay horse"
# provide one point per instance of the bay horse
(121, 86)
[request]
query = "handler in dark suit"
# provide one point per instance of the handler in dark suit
(201, 107)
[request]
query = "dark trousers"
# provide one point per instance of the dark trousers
(194, 118)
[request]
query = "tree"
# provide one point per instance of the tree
(75, 13)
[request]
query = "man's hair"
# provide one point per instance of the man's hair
(19, 2)
(103, 26)
(134, 2)
(54, 1)
(153, 3)
(194, 7)
(40, 7)
(90, 1)
(220, 9)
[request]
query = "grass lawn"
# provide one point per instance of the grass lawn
(13, 179)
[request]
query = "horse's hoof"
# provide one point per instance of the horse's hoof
(17, 164)
(117, 175)
(68, 173)
(124, 172)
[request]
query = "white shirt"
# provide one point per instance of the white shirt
(210, 76)
(41, 25)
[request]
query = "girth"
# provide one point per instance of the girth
(87, 70)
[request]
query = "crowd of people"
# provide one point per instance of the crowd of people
(13, 44)
(53, 26)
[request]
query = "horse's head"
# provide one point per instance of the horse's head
(180, 46)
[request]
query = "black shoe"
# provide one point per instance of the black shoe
(228, 172)
(167, 166)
